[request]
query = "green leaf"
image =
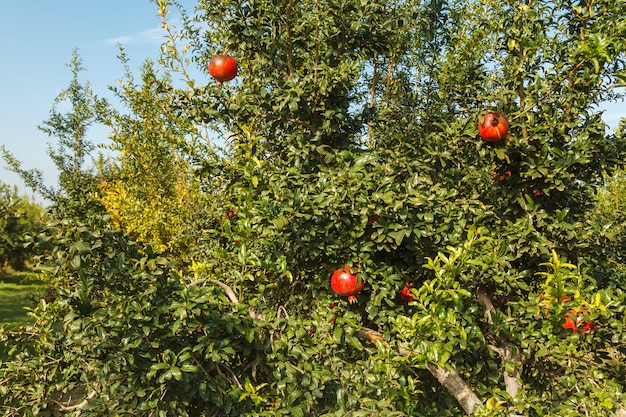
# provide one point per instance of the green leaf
(189, 368)
(338, 335)
(82, 247)
(75, 262)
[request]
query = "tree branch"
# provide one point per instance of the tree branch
(449, 378)
(81, 405)
(504, 350)
(485, 300)
(229, 291)
(511, 381)
(456, 386)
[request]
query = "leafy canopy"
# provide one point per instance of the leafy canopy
(349, 139)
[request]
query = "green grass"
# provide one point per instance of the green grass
(17, 291)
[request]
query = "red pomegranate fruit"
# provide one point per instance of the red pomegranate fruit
(405, 293)
(223, 68)
(346, 284)
(494, 128)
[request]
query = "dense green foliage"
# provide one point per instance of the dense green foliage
(349, 139)
(611, 209)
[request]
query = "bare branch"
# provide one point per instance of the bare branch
(81, 405)
(255, 315)
(229, 291)
(485, 300)
(511, 381)
(456, 386)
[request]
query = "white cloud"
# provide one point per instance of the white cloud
(153, 36)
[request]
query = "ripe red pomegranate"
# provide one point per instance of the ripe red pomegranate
(405, 293)
(494, 127)
(230, 214)
(346, 284)
(223, 68)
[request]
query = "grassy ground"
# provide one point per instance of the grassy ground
(18, 290)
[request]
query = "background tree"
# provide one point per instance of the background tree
(20, 218)
(71, 151)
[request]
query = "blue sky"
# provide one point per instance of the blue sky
(37, 39)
